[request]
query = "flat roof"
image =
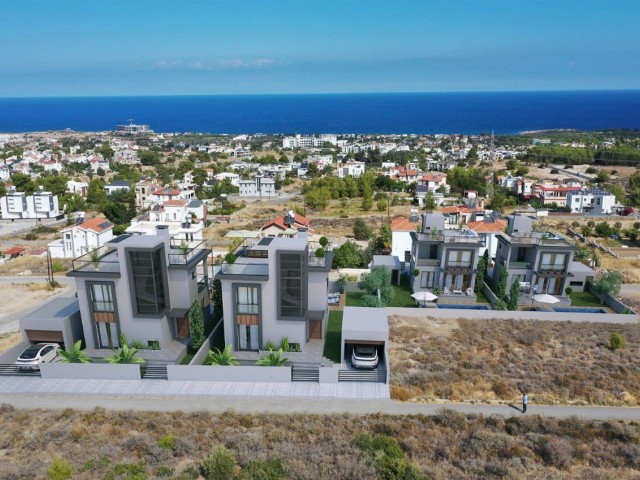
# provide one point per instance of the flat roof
(56, 308)
(391, 261)
(581, 268)
(365, 323)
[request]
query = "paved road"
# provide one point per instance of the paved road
(284, 405)
(630, 290)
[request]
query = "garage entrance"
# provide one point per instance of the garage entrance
(45, 336)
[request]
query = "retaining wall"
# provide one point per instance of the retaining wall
(211, 373)
(203, 351)
(611, 302)
(93, 371)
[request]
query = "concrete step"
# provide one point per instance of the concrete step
(156, 372)
(378, 375)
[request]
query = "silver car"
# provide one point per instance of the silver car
(34, 355)
(364, 356)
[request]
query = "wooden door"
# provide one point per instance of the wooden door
(315, 329)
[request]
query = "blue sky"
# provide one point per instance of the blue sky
(165, 47)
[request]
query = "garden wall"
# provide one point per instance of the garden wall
(95, 371)
(209, 373)
(203, 351)
(611, 302)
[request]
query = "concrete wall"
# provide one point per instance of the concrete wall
(210, 373)
(613, 318)
(99, 371)
(317, 291)
(609, 301)
(203, 351)
(329, 375)
(489, 293)
(11, 354)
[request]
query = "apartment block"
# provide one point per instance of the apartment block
(39, 205)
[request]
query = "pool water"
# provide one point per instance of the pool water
(579, 310)
(463, 307)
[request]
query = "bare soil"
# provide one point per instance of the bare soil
(493, 361)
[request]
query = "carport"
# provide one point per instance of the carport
(367, 326)
(57, 321)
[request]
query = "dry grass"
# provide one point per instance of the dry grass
(556, 362)
(37, 265)
(447, 445)
(8, 340)
(630, 268)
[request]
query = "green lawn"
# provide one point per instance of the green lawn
(481, 298)
(584, 299)
(402, 299)
(187, 358)
(333, 338)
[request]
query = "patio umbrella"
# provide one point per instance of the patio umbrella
(545, 298)
(424, 296)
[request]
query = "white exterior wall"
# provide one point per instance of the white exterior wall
(317, 291)
(39, 205)
(400, 243)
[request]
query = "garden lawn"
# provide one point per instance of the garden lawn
(403, 296)
(354, 299)
(584, 299)
(333, 338)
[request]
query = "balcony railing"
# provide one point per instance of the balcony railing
(459, 264)
(427, 262)
(182, 251)
(520, 265)
(103, 259)
(317, 261)
(203, 283)
(549, 267)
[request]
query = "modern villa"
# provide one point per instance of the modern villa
(445, 260)
(141, 286)
(275, 288)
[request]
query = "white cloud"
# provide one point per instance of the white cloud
(221, 64)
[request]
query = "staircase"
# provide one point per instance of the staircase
(378, 375)
(305, 372)
(13, 370)
(156, 372)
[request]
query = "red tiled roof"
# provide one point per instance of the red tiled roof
(481, 226)
(402, 224)
(299, 221)
(168, 191)
(175, 203)
(14, 251)
(97, 225)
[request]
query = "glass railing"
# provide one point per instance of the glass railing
(182, 251)
(459, 264)
(103, 259)
(550, 267)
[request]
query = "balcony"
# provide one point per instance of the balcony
(427, 262)
(101, 260)
(519, 265)
(183, 251)
(531, 238)
(548, 267)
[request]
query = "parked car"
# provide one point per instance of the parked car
(34, 355)
(364, 356)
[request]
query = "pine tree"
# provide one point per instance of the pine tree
(514, 295)
(196, 326)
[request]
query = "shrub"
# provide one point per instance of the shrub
(382, 205)
(59, 469)
(502, 389)
(263, 470)
(400, 393)
(57, 266)
(324, 241)
(230, 257)
(196, 326)
(616, 342)
(568, 290)
(554, 171)
(220, 465)
(320, 253)
(557, 452)
(167, 442)
(361, 230)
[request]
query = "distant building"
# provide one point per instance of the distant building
(401, 228)
(115, 186)
(133, 129)
(592, 201)
(258, 186)
(39, 205)
(184, 220)
(285, 225)
(305, 141)
(352, 168)
(82, 238)
(488, 225)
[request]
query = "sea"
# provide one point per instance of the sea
(381, 113)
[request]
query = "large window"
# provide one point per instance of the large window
(553, 262)
(459, 258)
(148, 283)
(104, 316)
(426, 279)
(247, 300)
(292, 279)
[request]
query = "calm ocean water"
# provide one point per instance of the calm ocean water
(502, 112)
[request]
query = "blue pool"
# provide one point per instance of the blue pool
(463, 307)
(579, 310)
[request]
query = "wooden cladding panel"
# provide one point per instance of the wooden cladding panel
(45, 336)
(104, 317)
(247, 319)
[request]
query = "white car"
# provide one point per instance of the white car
(34, 355)
(364, 356)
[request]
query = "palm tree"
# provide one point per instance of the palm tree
(75, 354)
(272, 359)
(224, 357)
(125, 355)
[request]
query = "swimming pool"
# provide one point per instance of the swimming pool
(463, 307)
(579, 310)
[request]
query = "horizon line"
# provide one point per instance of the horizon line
(445, 92)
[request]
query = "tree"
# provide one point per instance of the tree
(603, 229)
(273, 359)
(196, 325)
(608, 283)
(347, 255)
(126, 354)
(361, 230)
(502, 284)
(220, 465)
(514, 294)
(384, 238)
(23, 183)
(224, 357)
(56, 184)
(480, 272)
(74, 355)
(377, 285)
(96, 195)
(106, 151)
(633, 189)
(602, 176)
(430, 202)
(116, 213)
(74, 203)
(149, 158)
(312, 170)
